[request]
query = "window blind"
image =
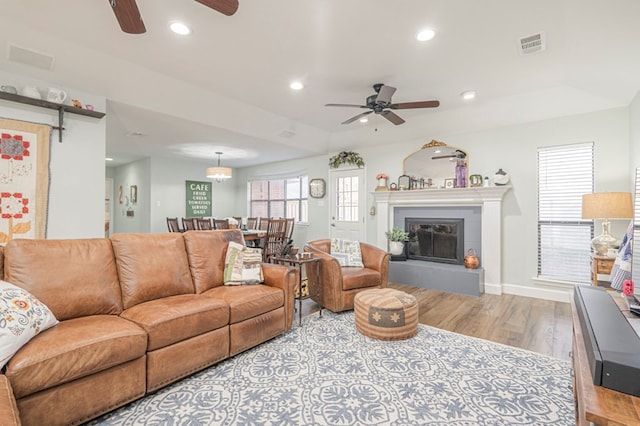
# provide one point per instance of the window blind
(635, 259)
(565, 173)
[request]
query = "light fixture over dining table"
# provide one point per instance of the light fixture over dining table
(219, 173)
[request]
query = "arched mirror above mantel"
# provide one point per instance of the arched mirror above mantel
(434, 165)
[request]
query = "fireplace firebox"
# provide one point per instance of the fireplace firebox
(435, 240)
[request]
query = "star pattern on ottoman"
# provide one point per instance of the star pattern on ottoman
(386, 317)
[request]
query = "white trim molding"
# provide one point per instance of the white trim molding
(488, 198)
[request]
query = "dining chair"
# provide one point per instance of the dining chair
(289, 230)
(252, 223)
(275, 240)
(239, 220)
(220, 223)
(189, 223)
(204, 224)
(263, 223)
(173, 224)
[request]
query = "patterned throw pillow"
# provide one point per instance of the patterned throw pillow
(347, 252)
(22, 317)
(243, 265)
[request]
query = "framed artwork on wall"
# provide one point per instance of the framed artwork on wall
(134, 194)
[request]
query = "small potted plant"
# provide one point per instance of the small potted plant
(396, 237)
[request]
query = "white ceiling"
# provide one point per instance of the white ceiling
(225, 87)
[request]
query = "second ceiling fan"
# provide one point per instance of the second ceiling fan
(130, 20)
(380, 103)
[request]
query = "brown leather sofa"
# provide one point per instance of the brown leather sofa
(136, 312)
(341, 284)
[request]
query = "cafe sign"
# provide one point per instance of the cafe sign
(198, 199)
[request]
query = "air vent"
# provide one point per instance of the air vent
(533, 43)
(30, 57)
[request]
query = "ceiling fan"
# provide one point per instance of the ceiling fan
(130, 21)
(380, 103)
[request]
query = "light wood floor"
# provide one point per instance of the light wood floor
(534, 324)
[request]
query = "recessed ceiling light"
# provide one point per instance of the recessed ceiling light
(296, 85)
(108, 159)
(180, 28)
(364, 120)
(468, 95)
(425, 35)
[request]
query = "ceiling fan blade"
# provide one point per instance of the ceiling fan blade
(420, 104)
(392, 117)
(128, 16)
(226, 7)
(357, 117)
(346, 105)
(385, 94)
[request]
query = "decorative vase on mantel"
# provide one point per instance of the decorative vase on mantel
(382, 185)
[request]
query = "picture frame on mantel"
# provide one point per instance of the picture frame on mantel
(449, 183)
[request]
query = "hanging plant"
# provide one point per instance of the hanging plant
(346, 157)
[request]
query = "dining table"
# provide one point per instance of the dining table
(253, 234)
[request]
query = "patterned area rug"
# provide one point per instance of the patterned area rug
(326, 373)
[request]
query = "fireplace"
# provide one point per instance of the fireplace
(392, 207)
(435, 240)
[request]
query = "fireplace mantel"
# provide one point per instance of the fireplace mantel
(488, 198)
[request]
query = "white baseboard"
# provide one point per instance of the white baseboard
(554, 294)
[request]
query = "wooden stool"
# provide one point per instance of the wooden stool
(386, 314)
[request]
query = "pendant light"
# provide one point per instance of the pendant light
(219, 173)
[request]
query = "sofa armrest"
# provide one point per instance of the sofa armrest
(8, 408)
(330, 278)
(285, 278)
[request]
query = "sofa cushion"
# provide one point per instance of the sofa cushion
(73, 278)
(176, 318)
(347, 252)
(248, 301)
(353, 278)
(151, 266)
(73, 349)
(206, 253)
(243, 265)
(22, 317)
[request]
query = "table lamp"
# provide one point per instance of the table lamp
(606, 206)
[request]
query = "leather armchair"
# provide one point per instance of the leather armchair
(341, 284)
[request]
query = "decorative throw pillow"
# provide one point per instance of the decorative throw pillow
(22, 317)
(347, 252)
(243, 265)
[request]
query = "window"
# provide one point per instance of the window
(347, 193)
(280, 198)
(565, 173)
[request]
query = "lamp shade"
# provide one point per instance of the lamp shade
(219, 173)
(607, 205)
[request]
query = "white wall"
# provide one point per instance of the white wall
(76, 194)
(513, 149)
(634, 134)
(136, 173)
(167, 193)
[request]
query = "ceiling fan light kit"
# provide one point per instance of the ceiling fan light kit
(380, 103)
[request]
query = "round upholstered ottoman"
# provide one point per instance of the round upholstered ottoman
(386, 314)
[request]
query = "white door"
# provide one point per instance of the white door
(346, 189)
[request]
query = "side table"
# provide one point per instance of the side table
(600, 265)
(298, 261)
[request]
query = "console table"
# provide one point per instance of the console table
(596, 404)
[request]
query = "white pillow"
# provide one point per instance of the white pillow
(242, 265)
(347, 252)
(22, 317)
